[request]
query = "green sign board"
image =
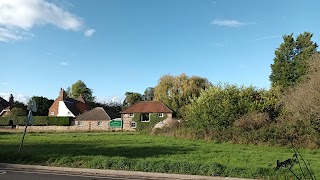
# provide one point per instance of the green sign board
(116, 124)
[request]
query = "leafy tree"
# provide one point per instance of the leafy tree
(43, 105)
(112, 108)
(18, 111)
(178, 91)
(132, 98)
(290, 60)
(79, 88)
(21, 105)
(149, 94)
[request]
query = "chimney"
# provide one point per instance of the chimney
(11, 101)
(62, 95)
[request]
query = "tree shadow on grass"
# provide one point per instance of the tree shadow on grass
(39, 153)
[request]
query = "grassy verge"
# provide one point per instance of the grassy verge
(138, 152)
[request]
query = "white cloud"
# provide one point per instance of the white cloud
(268, 37)
(89, 32)
(112, 99)
(64, 63)
(228, 23)
(18, 17)
(5, 83)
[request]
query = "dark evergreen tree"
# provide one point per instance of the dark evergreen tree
(43, 105)
(149, 94)
(290, 62)
(131, 98)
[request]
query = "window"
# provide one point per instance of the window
(131, 115)
(80, 123)
(52, 113)
(160, 114)
(145, 117)
(133, 124)
(99, 123)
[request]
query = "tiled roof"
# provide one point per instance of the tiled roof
(80, 99)
(147, 107)
(112, 112)
(3, 104)
(97, 113)
(70, 99)
(72, 107)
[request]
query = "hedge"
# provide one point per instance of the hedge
(38, 121)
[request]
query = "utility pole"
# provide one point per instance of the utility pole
(32, 107)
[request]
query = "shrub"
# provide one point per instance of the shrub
(252, 121)
(38, 121)
(218, 107)
(302, 108)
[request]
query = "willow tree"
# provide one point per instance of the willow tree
(177, 92)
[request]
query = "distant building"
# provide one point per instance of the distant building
(94, 119)
(67, 107)
(6, 106)
(143, 110)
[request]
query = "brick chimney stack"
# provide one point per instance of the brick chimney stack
(62, 95)
(11, 101)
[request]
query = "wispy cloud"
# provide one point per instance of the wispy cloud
(229, 23)
(218, 44)
(5, 83)
(64, 63)
(18, 17)
(89, 32)
(266, 38)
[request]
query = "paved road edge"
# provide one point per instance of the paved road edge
(113, 172)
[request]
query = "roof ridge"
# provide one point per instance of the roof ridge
(147, 106)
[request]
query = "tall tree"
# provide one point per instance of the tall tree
(18, 111)
(178, 91)
(79, 88)
(132, 98)
(43, 105)
(290, 60)
(20, 105)
(149, 94)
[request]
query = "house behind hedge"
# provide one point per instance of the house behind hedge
(144, 115)
(6, 106)
(94, 119)
(68, 107)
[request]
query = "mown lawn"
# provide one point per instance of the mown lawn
(139, 152)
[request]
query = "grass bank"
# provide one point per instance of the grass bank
(138, 152)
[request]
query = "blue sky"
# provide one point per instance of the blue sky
(116, 46)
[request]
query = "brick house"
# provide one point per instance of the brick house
(94, 119)
(6, 106)
(68, 107)
(152, 112)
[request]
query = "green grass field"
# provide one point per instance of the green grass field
(139, 152)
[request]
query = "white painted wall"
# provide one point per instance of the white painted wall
(63, 110)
